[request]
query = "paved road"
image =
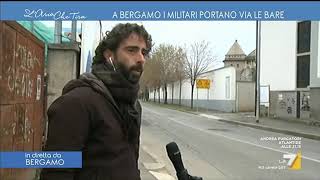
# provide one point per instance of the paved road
(218, 150)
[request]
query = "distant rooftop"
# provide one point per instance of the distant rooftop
(235, 49)
(252, 55)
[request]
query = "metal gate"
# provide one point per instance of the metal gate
(21, 94)
(245, 93)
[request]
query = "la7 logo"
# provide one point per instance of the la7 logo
(294, 160)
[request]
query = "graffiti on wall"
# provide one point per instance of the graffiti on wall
(305, 97)
(286, 104)
(20, 79)
(282, 104)
(21, 66)
(289, 106)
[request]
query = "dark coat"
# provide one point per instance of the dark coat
(86, 118)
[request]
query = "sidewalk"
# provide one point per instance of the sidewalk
(295, 127)
(150, 169)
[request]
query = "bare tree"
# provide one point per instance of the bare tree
(166, 66)
(167, 56)
(199, 58)
(151, 76)
(147, 79)
(178, 70)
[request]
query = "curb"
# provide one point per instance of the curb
(154, 156)
(153, 167)
(268, 128)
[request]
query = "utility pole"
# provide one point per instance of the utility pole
(74, 31)
(258, 52)
(58, 32)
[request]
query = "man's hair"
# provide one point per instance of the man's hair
(114, 37)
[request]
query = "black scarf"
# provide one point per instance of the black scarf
(125, 95)
(120, 88)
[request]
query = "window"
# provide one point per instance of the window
(227, 87)
(303, 71)
(303, 54)
(304, 33)
(237, 65)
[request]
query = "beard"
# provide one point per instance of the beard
(132, 74)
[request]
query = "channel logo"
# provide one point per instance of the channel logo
(294, 162)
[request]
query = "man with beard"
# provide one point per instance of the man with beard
(99, 113)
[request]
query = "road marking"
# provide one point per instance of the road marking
(238, 140)
(153, 166)
(161, 176)
(210, 116)
(152, 111)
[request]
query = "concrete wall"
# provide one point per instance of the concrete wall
(273, 103)
(315, 103)
(304, 105)
(286, 104)
(62, 67)
(185, 90)
(220, 105)
(214, 98)
(315, 71)
(218, 90)
(278, 54)
(314, 57)
(245, 96)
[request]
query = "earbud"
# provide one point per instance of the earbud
(111, 61)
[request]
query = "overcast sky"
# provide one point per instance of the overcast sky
(220, 34)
